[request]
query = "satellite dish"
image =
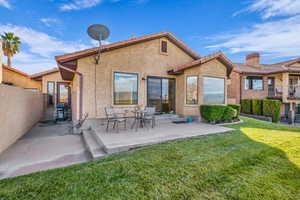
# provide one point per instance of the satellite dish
(98, 32)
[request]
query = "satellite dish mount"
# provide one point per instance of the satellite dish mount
(99, 33)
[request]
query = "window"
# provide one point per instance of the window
(125, 89)
(213, 90)
(254, 83)
(191, 90)
(164, 47)
(50, 92)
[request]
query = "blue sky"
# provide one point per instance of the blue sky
(54, 27)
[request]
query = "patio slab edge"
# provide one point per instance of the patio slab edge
(113, 149)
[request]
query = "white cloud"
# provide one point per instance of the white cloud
(5, 3)
(272, 8)
(49, 21)
(38, 49)
(79, 4)
(274, 39)
(41, 43)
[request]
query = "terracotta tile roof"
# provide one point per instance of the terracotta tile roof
(14, 70)
(203, 60)
(268, 68)
(125, 43)
(44, 73)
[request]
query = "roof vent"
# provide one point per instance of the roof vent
(253, 59)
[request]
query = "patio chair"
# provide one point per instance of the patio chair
(150, 115)
(111, 116)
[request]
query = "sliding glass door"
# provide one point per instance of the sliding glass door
(161, 94)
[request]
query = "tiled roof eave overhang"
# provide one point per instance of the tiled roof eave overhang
(219, 56)
(270, 73)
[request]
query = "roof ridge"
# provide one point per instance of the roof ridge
(90, 51)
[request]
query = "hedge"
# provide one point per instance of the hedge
(229, 114)
(268, 108)
(237, 107)
(257, 106)
(271, 108)
(217, 113)
(247, 106)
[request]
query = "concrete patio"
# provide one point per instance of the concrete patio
(113, 142)
(43, 147)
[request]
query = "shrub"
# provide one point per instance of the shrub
(271, 108)
(257, 106)
(229, 114)
(237, 107)
(212, 113)
(246, 106)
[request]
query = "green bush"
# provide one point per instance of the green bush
(247, 106)
(237, 107)
(257, 106)
(217, 113)
(271, 108)
(212, 113)
(229, 114)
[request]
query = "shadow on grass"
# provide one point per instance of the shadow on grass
(252, 162)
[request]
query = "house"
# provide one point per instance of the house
(280, 81)
(156, 70)
(14, 77)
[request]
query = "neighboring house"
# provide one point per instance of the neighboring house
(14, 77)
(54, 86)
(157, 70)
(268, 81)
(48, 82)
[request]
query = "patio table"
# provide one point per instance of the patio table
(138, 119)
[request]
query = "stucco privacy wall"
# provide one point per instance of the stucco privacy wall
(144, 59)
(19, 110)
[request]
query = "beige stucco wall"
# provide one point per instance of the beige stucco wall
(144, 59)
(210, 69)
(20, 80)
(19, 110)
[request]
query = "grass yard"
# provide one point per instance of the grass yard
(258, 160)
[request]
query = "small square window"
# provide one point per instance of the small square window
(164, 47)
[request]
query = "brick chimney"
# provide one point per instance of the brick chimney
(253, 59)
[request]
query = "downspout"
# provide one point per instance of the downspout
(80, 87)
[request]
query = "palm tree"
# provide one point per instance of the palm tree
(10, 45)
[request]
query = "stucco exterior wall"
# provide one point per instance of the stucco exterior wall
(210, 69)
(20, 80)
(144, 59)
(20, 109)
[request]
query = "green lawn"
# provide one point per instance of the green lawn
(258, 160)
